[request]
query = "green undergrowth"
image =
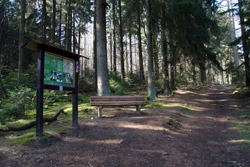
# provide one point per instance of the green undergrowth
(242, 92)
(155, 105)
(242, 126)
(244, 133)
(30, 137)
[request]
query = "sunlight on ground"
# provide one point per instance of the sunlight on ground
(141, 127)
(108, 141)
(185, 106)
(186, 92)
(240, 141)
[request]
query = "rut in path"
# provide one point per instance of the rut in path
(123, 139)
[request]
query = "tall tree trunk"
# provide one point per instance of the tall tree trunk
(232, 28)
(95, 46)
(151, 84)
(172, 63)
(142, 78)
(127, 69)
(121, 42)
(114, 37)
(79, 39)
(110, 46)
(102, 69)
(194, 72)
(164, 53)
(74, 34)
(44, 20)
(202, 72)
(69, 26)
(244, 44)
(156, 57)
(21, 39)
(130, 53)
(54, 22)
(60, 25)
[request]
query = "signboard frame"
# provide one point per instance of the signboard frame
(41, 49)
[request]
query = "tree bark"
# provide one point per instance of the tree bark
(21, 40)
(235, 52)
(121, 42)
(244, 44)
(114, 37)
(151, 84)
(156, 57)
(95, 47)
(44, 20)
(194, 73)
(110, 45)
(202, 72)
(69, 26)
(172, 63)
(130, 53)
(60, 25)
(54, 22)
(164, 53)
(142, 77)
(102, 69)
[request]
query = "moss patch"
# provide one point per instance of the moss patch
(155, 105)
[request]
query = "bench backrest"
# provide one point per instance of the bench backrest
(117, 100)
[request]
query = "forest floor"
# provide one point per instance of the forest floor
(187, 129)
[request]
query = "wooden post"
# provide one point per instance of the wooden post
(40, 77)
(138, 109)
(75, 97)
(100, 112)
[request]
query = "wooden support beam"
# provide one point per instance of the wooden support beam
(40, 85)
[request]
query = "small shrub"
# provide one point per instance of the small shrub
(19, 101)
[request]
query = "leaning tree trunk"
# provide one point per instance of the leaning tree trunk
(151, 84)
(21, 39)
(103, 87)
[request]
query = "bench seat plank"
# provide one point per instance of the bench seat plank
(117, 98)
(117, 103)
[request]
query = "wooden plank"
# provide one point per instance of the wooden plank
(117, 98)
(117, 103)
(39, 99)
(75, 100)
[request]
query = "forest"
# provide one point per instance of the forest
(155, 46)
(188, 58)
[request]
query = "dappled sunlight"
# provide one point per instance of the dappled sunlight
(139, 126)
(185, 106)
(240, 141)
(107, 141)
(183, 92)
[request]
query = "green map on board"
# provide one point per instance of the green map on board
(58, 71)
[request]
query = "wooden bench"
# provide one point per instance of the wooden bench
(101, 101)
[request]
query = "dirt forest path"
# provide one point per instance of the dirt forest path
(187, 130)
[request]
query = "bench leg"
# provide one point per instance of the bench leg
(100, 112)
(138, 109)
